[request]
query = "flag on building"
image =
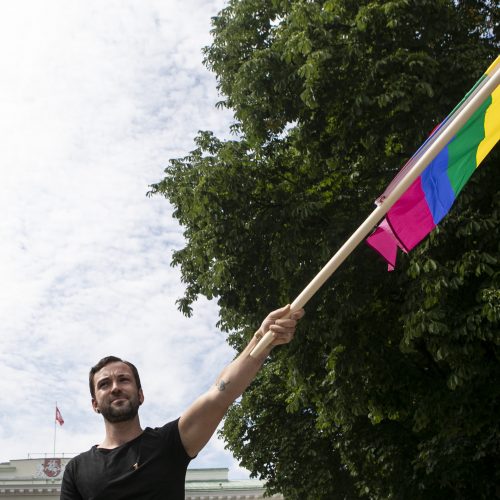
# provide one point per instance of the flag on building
(59, 418)
(430, 197)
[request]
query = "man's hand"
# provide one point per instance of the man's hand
(282, 324)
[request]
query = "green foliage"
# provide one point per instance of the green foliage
(390, 389)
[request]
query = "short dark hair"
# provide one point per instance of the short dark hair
(106, 361)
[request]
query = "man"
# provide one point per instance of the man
(132, 463)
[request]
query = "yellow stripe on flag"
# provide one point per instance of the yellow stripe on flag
(492, 65)
(491, 126)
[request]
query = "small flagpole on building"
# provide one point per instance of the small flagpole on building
(55, 430)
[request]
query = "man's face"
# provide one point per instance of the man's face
(116, 393)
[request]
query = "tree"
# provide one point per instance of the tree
(390, 389)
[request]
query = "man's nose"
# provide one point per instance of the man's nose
(115, 386)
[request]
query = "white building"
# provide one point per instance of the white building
(40, 479)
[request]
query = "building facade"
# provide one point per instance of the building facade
(40, 479)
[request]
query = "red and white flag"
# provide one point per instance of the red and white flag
(59, 418)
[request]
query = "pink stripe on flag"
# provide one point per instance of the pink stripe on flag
(410, 217)
(385, 243)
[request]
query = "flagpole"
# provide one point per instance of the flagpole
(433, 149)
(55, 431)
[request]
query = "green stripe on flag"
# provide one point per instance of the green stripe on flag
(462, 150)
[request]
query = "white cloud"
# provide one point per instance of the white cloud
(96, 97)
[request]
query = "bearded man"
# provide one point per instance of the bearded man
(132, 463)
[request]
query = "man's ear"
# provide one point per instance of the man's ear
(141, 397)
(94, 405)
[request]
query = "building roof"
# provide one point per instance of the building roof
(34, 478)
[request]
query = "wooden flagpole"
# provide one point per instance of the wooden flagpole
(428, 154)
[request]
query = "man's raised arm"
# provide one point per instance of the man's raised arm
(199, 421)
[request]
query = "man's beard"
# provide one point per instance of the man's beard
(126, 411)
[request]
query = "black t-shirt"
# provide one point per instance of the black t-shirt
(150, 467)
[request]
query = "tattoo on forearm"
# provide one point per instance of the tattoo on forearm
(221, 385)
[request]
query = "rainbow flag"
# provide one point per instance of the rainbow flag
(431, 196)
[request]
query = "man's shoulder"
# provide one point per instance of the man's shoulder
(81, 457)
(168, 435)
(168, 429)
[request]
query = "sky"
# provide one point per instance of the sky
(95, 98)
